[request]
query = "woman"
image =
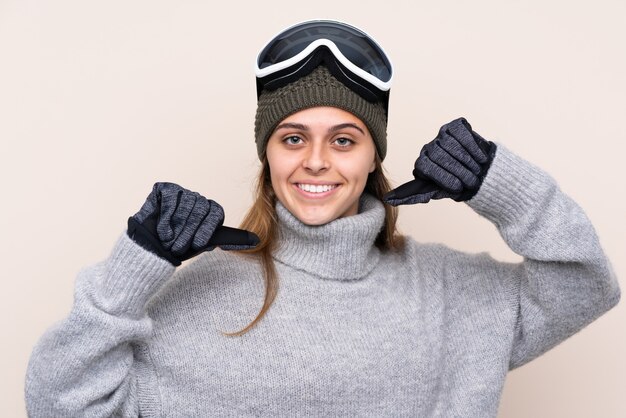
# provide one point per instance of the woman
(365, 321)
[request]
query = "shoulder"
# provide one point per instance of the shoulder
(463, 276)
(219, 263)
(414, 252)
(209, 276)
(437, 258)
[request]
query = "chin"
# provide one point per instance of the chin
(314, 219)
(319, 215)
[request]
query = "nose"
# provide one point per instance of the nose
(316, 159)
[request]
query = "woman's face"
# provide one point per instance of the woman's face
(319, 161)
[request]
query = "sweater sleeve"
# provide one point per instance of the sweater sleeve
(565, 280)
(82, 367)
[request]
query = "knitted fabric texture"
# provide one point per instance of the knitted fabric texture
(428, 331)
(319, 88)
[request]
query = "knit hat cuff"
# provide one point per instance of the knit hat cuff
(319, 88)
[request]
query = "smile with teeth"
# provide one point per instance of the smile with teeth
(316, 188)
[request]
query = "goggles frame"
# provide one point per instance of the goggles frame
(325, 51)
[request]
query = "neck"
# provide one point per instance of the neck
(340, 250)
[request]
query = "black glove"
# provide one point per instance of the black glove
(177, 224)
(452, 165)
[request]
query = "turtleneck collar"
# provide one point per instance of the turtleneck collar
(340, 250)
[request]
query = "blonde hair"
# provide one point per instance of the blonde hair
(261, 219)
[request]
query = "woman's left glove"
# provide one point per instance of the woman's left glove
(452, 165)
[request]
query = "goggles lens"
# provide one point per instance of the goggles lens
(355, 46)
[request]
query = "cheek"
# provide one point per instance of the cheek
(357, 170)
(365, 163)
(281, 167)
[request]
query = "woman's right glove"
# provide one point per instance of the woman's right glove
(177, 224)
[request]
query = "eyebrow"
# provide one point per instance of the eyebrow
(346, 125)
(301, 127)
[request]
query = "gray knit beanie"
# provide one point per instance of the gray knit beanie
(319, 88)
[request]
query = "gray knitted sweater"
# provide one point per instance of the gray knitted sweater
(427, 331)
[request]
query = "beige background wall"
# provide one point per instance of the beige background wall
(98, 100)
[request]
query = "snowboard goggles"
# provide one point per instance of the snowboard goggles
(352, 56)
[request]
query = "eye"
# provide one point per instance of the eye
(292, 140)
(344, 142)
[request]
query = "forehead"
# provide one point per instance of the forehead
(323, 115)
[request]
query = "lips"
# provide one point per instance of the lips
(316, 188)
